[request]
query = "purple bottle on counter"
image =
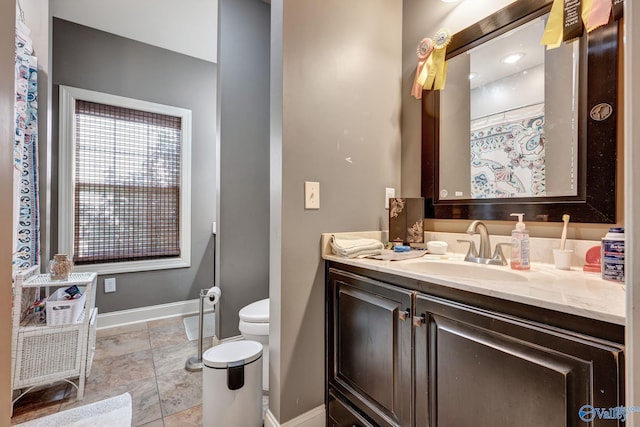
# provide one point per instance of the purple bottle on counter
(613, 255)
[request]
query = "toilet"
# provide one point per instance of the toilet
(254, 326)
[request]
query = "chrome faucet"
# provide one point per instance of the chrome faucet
(485, 243)
(483, 256)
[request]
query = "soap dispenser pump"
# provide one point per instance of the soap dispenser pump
(520, 245)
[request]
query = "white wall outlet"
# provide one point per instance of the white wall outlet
(311, 195)
(109, 285)
(389, 193)
(213, 227)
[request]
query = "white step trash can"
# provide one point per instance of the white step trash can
(232, 385)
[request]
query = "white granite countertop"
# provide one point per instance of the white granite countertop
(573, 292)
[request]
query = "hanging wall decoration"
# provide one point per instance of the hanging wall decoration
(568, 18)
(431, 71)
(438, 69)
(425, 48)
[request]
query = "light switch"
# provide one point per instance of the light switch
(389, 193)
(311, 195)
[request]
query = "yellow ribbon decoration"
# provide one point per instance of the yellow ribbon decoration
(430, 74)
(436, 64)
(552, 36)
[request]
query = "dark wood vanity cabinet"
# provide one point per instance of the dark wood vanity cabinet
(478, 368)
(370, 351)
(403, 357)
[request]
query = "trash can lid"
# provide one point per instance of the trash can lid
(232, 352)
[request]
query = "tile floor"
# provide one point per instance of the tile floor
(147, 360)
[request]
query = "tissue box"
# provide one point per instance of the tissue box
(405, 220)
(61, 311)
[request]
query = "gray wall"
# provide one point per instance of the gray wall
(336, 81)
(7, 132)
(243, 184)
(92, 59)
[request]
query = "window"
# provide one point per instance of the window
(124, 186)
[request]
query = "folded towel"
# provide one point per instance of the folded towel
(352, 247)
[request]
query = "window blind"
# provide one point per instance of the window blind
(126, 184)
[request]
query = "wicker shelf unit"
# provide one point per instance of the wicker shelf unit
(42, 354)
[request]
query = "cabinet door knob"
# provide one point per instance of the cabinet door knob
(404, 315)
(418, 321)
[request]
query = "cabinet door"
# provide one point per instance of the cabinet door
(341, 415)
(477, 368)
(369, 347)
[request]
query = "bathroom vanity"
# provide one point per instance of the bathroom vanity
(449, 343)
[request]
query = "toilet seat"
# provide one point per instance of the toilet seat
(256, 312)
(254, 328)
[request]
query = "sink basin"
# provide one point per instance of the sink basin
(466, 271)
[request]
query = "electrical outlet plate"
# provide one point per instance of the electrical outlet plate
(311, 195)
(110, 285)
(389, 193)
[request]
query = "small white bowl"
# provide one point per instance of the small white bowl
(437, 247)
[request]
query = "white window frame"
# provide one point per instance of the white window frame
(66, 175)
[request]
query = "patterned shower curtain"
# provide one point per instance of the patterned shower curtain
(26, 240)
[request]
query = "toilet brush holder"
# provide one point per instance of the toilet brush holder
(194, 363)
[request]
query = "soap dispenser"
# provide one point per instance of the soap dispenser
(520, 245)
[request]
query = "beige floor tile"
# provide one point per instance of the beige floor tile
(120, 370)
(175, 320)
(173, 357)
(156, 423)
(145, 402)
(170, 358)
(188, 417)
(179, 390)
(170, 334)
(116, 345)
(108, 332)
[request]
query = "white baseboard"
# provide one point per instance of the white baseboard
(145, 314)
(317, 417)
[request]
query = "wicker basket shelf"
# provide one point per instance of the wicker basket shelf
(42, 354)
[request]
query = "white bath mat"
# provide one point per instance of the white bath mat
(208, 326)
(112, 412)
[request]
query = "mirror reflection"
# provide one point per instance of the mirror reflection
(508, 119)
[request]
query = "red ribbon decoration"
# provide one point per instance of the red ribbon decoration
(425, 47)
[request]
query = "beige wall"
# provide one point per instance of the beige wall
(340, 125)
(7, 58)
(632, 186)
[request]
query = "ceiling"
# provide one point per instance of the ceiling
(486, 59)
(189, 27)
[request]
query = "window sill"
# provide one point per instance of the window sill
(134, 266)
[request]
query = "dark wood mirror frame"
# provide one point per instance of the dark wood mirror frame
(598, 83)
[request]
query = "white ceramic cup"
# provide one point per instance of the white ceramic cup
(562, 258)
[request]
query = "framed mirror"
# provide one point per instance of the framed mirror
(519, 128)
